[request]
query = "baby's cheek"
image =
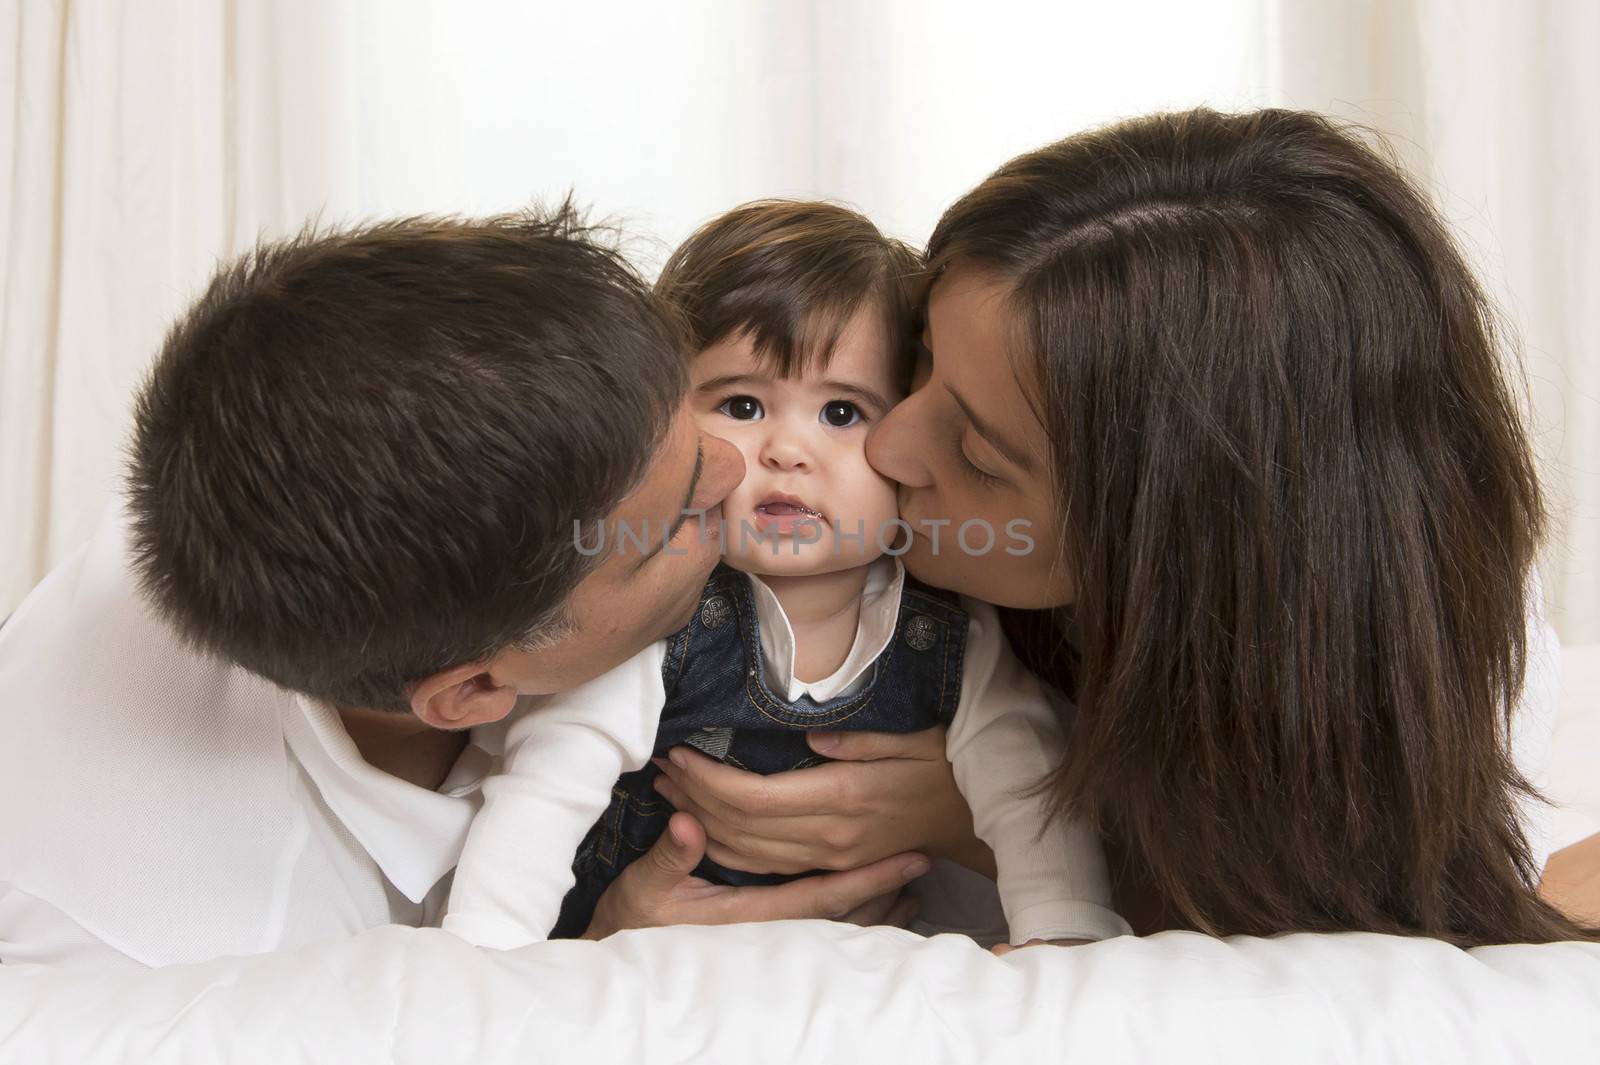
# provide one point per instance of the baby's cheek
(712, 422)
(881, 509)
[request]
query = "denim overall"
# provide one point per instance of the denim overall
(718, 701)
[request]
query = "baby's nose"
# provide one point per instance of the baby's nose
(782, 452)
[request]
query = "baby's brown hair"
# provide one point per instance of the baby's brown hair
(791, 274)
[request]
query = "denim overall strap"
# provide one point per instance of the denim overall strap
(716, 678)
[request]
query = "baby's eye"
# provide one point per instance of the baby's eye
(742, 408)
(841, 414)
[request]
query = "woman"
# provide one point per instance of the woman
(1237, 377)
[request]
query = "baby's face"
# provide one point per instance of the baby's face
(804, 446)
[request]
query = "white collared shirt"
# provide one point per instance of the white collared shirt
(163, 806)
(564, 752)
(880, 609)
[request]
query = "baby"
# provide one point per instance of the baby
(799, 313)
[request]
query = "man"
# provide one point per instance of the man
(360, 472)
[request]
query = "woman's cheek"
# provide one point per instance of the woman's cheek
(1028, 568)
(929, 557)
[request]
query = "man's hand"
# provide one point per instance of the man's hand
(660, 889)
(883, 794)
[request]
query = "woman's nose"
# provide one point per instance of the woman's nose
(898, 445)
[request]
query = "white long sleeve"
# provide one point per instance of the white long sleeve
(1005, 738)
(1533, 726)
(563, 753)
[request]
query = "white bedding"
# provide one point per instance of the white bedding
(814, 991)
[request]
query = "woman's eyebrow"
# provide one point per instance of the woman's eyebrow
(1011, 454)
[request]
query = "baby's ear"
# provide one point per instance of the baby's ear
(461, 697)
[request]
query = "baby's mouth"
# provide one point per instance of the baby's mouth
(785, 512)
(779, 509)
(784, 506)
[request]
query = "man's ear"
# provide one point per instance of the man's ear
(462, 697)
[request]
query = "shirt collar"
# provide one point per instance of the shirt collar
(415, 835)
(880, 610)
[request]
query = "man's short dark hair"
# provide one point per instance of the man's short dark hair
(359, 456)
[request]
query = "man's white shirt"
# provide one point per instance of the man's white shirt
(163, 806)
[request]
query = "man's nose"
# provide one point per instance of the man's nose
(722, 468)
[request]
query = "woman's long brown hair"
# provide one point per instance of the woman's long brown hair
(1301, 512)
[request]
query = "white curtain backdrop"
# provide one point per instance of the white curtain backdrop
(145, 141)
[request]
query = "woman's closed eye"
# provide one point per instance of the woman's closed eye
(971, 467)
(742, 408)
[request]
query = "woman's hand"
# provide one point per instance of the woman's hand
(660, 888)
(885, 793)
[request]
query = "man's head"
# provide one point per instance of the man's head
(359, 460)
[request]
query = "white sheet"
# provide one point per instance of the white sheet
(813, 991)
